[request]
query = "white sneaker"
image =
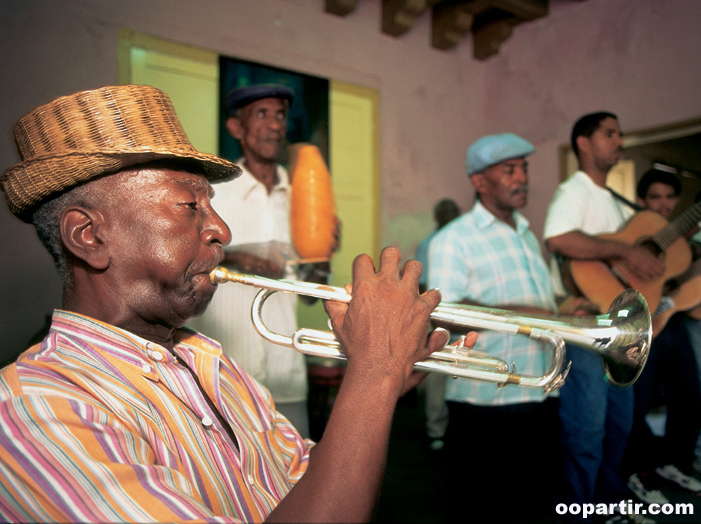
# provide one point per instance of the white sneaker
(651, 496)
(436, 444)
(671, 473)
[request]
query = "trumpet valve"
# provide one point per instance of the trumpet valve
(461, 355)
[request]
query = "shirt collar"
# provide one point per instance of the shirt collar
(250, 183)
(125, 345)
(588, 181)
(484, 218)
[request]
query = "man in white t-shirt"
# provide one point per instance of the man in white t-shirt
(256, 207)
(595, 416)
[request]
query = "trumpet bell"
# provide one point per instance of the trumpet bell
(625, 356)
(621, 336)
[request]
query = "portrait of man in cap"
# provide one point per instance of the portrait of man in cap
(261, 244)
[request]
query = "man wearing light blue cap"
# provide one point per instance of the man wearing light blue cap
(490, 257)
(493, 149)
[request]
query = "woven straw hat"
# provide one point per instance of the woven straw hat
(79, 137)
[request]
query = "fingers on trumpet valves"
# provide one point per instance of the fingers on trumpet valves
(465, 342)
(445, 333)
(437, 340)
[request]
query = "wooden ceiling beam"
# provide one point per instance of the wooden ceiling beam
(522, 9)
(490, 21)
(398, 15)
(449, 23)
(487, 39)
(340, 7)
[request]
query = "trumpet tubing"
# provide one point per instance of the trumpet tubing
(621, 336)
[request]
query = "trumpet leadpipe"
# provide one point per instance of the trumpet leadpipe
(222, 275)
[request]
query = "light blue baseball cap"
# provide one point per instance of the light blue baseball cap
(493, 149)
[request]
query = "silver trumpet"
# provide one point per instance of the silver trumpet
(621, 336)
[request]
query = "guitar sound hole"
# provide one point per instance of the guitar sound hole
(652, 246)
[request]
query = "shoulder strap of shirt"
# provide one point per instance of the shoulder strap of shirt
(632, 205)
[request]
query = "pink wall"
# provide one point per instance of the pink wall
(634, 57)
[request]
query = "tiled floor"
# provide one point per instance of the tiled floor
(413, 491)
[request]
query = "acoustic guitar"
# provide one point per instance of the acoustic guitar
(601, 282)
(695, 313)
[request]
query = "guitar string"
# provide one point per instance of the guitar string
(669, 234)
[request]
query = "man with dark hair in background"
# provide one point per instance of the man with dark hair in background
(444, 211)
(670, 377)
(659, 191)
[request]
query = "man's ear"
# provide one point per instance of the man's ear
(477, 181)
(234, 127)
(82, 233)
(583, 143)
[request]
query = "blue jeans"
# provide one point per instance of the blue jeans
(596, 418)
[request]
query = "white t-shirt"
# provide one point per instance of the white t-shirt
(581, 205)
(256, 217)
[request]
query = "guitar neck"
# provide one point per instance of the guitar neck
(678, 227)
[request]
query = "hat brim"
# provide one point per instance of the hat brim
(240, 97)
(28, 184)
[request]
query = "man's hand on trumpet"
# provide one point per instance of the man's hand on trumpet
(384, 329)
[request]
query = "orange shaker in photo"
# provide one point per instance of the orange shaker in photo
(312, 210)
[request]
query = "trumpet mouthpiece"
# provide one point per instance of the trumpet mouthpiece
(219, 275)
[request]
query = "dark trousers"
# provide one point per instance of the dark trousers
(502, 460)
(671, 378)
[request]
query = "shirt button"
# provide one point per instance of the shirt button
(250, 479)
(207, 422)
(157, 356)
(146, 368)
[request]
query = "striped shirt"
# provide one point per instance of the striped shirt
(98, 425)
(480, 258)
